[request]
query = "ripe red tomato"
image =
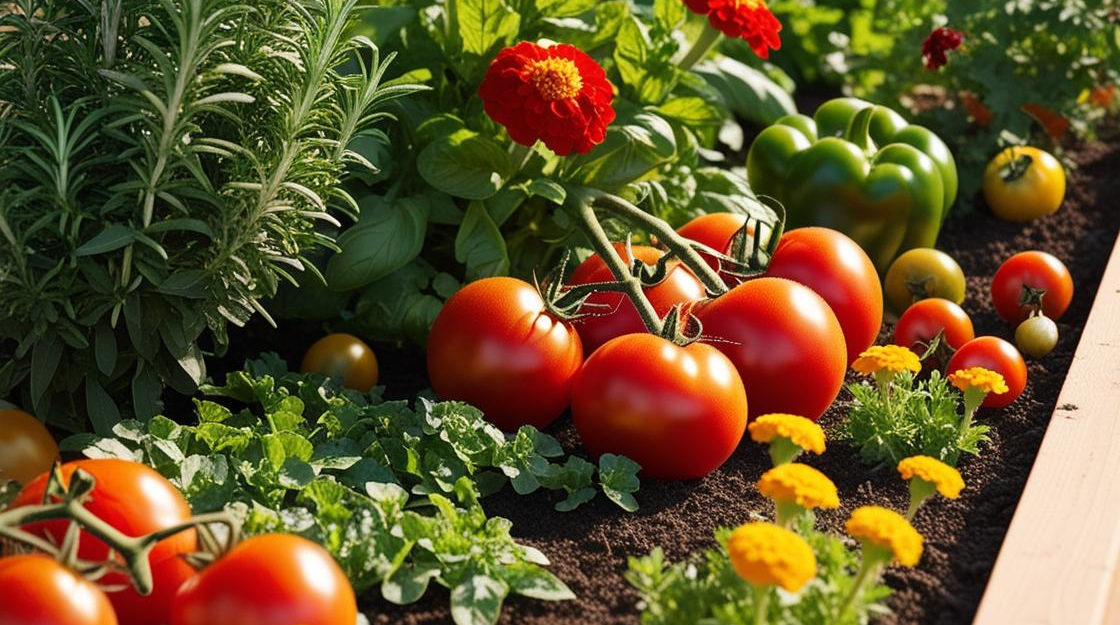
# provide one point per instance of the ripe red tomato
(838, 270)
(714, 229)
(997, 355)
(610, 314)
(40, 591)
(344, 356)
(136, 500)
(923, 320)
(677, 411)
(493, 345)
(784, 340)
(1038, 270)
(26, 447)
(272, 579)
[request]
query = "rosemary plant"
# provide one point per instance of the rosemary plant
(164, 164)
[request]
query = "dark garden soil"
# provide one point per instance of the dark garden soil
(589, 547)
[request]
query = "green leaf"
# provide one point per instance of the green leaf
(45, 357)
(465, 165)
(563, 8)
(103, 412)
(485, 25)
(386, 238)
(692, 111)
(631, 150)
(408, 583)
(207, 482)
(113, 237)
(669, 12)
(549, 190)
(618, 476)
(478, 600)
(533, 581)
(747, 91)
(480, 245)
(105, 348)
(576, 499)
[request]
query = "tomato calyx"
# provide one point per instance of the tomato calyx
(938, 349)
(1016, 168)
(919, 288)
(128, 555)
(681, 328)
(1031, 298)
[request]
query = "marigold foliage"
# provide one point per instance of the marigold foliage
(888, 530)
(767, 555)
(800, 484)
(800, 431)
(947, 479)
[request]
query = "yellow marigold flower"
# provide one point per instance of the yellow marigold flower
(800, 484)
(886, 529)
(893, 358)
(767, 555)
(979, 378)
(947, 479)
(799, 430)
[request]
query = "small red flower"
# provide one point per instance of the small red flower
(557, 95)
(940, 41)
(749, 20)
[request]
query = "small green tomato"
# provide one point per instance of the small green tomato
(1037, 336)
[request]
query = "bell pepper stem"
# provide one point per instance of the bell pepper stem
(667, 236)
(630, 284)
(707, 39)
(859, 130)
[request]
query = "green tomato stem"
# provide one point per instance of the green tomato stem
(668, 237)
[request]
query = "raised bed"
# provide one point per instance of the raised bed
(589, 547)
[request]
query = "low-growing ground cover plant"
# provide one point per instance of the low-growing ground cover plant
(391, 490)
(163, 167)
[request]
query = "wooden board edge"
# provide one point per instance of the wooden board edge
(1059, 561)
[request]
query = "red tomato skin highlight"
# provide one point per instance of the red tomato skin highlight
(136, 500)
(784, 340)
(271, 579)
(995, 354)
(714, 229)
(922, 321)
(494, 345)
(837, 269)
(611, 315)
(1039, 270)
(679, 412)
(37, 590)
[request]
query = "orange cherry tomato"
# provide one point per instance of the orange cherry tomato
(343, 356)
(26, 447)
(36, 590)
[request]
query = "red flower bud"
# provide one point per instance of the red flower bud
(557, 95)
(940, 41)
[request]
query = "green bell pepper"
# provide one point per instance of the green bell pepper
(860, 169)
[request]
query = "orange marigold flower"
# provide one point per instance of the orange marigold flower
(799, 484)
(557, 95)
(947, 479)
(749, 20)
(980, 379)
(893, 358)
(887, 530)
(767, 555)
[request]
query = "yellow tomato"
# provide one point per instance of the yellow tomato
(1024, 183)
(26, 447)
(921, 273)
(344, 356)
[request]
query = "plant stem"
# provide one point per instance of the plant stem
(707, 39)
(666, 235)
(866, 567)
(761, 604)
(632, 286)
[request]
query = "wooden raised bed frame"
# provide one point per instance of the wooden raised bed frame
(1060, 560)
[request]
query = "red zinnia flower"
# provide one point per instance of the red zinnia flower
(558, 95)
(940, 41)
(749, 20)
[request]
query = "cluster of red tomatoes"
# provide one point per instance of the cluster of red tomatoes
(776, 343)
(1030, 289)
(273, 579)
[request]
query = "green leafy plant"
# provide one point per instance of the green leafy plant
(163, 167)
(392, 491)
(704, 588)
(908, 417)
(477, 204)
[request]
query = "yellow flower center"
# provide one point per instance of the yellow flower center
(752, 5)
(556, 78)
